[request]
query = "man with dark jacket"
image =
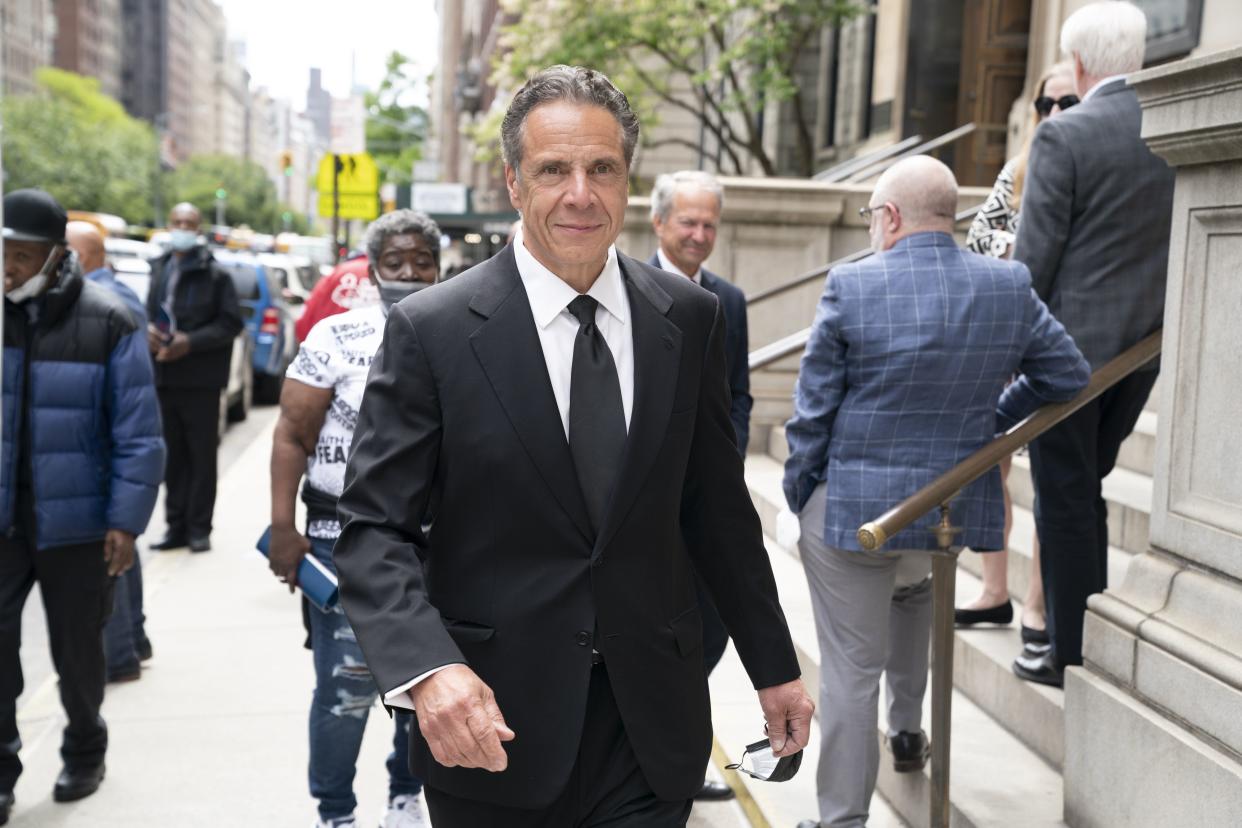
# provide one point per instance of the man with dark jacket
(194, 315)
(1096, 214)
(82, 458)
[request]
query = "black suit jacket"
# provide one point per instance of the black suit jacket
(466, 537)
(737, 356)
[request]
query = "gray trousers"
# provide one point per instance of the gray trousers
(873, 615)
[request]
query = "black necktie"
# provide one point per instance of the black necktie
(596, 416)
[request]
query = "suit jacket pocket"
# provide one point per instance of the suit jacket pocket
(688, 630)
(468, 631)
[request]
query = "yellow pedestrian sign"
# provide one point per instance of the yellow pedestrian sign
(356, 186)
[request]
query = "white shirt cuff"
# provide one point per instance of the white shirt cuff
(400, 696)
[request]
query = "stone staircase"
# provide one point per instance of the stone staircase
(1008, 735)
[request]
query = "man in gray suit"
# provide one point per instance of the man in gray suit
(1095, 236)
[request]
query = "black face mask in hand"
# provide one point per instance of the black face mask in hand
(762, 765)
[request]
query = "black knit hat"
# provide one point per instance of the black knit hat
(33, 215)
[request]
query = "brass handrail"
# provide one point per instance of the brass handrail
(873, 534)
(820, 272)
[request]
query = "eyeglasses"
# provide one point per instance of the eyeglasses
(1044, 104)
(867, 212)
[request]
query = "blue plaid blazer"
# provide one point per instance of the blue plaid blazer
(905, 375)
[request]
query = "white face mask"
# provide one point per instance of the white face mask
(38, 283)
(182, 240)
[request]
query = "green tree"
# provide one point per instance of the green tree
(734, 57)
(396, 128)
(80, 145)
(250, 196)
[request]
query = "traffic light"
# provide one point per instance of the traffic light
(286, 162)
(222, 194)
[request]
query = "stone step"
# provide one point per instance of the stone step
(1127, 493)
(996, 779)
(1020, 569)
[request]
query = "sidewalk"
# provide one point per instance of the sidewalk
(215, 733)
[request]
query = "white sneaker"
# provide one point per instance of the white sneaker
(405, 811)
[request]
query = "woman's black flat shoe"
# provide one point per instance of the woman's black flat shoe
(1030, 635)
(1000, 614)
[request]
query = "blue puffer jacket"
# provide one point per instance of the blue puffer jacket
(78, 390)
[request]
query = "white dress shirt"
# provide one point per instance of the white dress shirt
(667, 264)
(549, 298)
(1104, 82)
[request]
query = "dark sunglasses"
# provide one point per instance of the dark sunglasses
(1044, 104)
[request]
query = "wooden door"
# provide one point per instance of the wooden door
(993, 72)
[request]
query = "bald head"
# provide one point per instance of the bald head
(85, 239)
(915, 195)
(184, 216)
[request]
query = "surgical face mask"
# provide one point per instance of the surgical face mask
(392, 291)
(759, 762)
(182, 240)
(38, 283)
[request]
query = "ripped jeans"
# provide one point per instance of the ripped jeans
(344, 695)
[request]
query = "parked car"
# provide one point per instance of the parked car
(293, 273)
(268, 316)
(238, 395)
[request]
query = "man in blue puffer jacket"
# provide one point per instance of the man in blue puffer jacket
(81, 464)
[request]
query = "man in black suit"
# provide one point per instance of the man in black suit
(543, 451)
(1096, 214)
(685, 213)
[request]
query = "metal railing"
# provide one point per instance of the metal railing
(845, 169)
(939, 493)
(873, 170)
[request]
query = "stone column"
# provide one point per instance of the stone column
(1153, 723)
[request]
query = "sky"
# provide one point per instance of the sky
(285, 39)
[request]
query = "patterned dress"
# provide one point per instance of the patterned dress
(996, 224)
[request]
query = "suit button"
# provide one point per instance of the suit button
(584, 638)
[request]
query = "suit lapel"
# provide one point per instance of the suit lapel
(657, 357)
(507, 347)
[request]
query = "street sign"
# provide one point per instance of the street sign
(441, 199)
(356, 186)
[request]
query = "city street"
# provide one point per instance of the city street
(215, 731)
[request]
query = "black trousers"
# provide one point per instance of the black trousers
(605, 788)
(191, 419)
(77, 596)
(1067, 464)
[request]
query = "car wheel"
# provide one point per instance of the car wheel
(267, 388)
(240, 407)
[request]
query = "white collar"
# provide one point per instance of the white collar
(667, 264)
(1103, 83)
(549, 295)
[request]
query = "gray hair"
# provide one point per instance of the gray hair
(1108, 37)
(667, 185)
(566, 83)
(400, 223)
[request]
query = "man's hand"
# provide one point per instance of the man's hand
(458, 717)
(285, 552)
(118, 551)
(155, 339)
(176, 348)
(787, 709)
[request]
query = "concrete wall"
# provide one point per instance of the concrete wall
(771, 231)
(1153, 735)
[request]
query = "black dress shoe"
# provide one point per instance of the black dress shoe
(1030, 635)
(910, 751)
(1041, 669)
(169, 541)
(143, 648)
(809, 823)
(1000, 614)
(77, 783)
(714, 790)
(200, 544)
(6, 806)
